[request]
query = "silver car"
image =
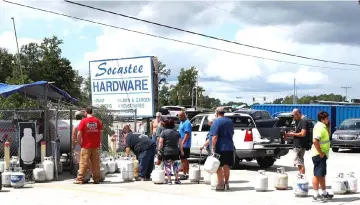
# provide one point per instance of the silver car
(347, 135)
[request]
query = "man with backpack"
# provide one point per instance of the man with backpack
(301, 141)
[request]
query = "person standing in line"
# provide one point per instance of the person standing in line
(159, 130)
(300, 143)
(207, 143)
(154, 125)
(89, 135)
(185, 133)
(320, 155)
(222, 132)
(170, 145)
(144, 149)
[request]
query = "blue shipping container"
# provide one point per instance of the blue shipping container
(346, 112)
(310, 110)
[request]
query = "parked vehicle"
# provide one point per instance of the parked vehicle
(347, 135)
(173, 110)
(249, 142)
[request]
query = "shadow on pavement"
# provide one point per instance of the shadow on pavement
(5, 190)
(345, 199)
(234, 189)
(349, 151)
(252, 166)
(238, 181)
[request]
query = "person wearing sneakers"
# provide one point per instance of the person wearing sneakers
(320, 155)
(221, 133)
(185, 133)
(89, 135)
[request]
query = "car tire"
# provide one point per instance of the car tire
(335, 149)
(265, 162)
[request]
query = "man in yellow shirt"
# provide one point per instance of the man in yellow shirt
(320, 154)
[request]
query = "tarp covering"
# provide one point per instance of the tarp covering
(36, 90)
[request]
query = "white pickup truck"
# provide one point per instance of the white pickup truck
(248, 142)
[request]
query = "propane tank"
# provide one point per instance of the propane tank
(2, 165)
(352, 183)
(102, 174)
(339, 185)
(104, 165)
(64, 158)
(281, 179)
(60, 168)
(127, 170)
(17, 178)
(207, 178)
(262, 181)
(6, 178)
(39, 173)
(111, 164)
(158, 175)
(49, 168)
(27, 152)
(194, 173)
(136, 168)
(212, 163)
(301, 186)
(14, 162)
(214, 181)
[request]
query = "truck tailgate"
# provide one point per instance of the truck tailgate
(273, 134)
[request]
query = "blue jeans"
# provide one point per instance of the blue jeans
(146, 161)
(154, 138)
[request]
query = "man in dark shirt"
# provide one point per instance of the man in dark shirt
(300, 142)
(144, 148)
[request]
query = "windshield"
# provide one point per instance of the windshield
(350, 125)
(242, 122)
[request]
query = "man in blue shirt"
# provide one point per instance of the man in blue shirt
(222, 132)
(185, 133)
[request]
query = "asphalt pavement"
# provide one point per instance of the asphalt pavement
(113, 191)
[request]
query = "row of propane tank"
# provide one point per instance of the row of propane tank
(339, 185)
(128, 167)
(13, 176)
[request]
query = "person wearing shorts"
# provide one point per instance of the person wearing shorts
(300, 140)
(320, 155)
(185, 133)
(222, 132)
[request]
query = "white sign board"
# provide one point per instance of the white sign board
(123, 84)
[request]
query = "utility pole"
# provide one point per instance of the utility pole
(346, 89)
(18, 50)
(196, 91)
(294, 96)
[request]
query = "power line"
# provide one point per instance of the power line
(175, 40)
(208, 36)
(249, 17)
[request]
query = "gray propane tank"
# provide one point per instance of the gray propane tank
(6, 178)
(194, 173)
(301, 186)
(104, 165)
(339, 185)
(352, 183)
(102, 174)
(261, 182)
(39, 173)
(17, 178)
(281, 179)
(60, 168)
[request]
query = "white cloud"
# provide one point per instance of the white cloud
(302, 76)
(8, 41)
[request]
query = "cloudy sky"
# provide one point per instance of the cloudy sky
(326, 30)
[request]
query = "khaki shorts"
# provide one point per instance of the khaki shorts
(299, 156)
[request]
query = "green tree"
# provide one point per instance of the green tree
(307, 99)
(163, 74)
(7, 64)
(164, 95)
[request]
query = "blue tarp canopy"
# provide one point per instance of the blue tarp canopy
(36, 90)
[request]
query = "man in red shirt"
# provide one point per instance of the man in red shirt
(89, 136)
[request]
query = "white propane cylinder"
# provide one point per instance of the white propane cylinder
(2, 165)
(214, 181)
(261, 182)
(281, 179)
(301, 186)
(28, 147)
(6, 178)
(129, 168)
(111, 164)
(17, 178)
(207, 178)
(339, 185)
(14, 161)
(212, 164)
(158, 175)
(105, 166)
(102, 174)
(39, 173)
(64, 158)
(352, 182)
(194, 173)
(49, 168)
